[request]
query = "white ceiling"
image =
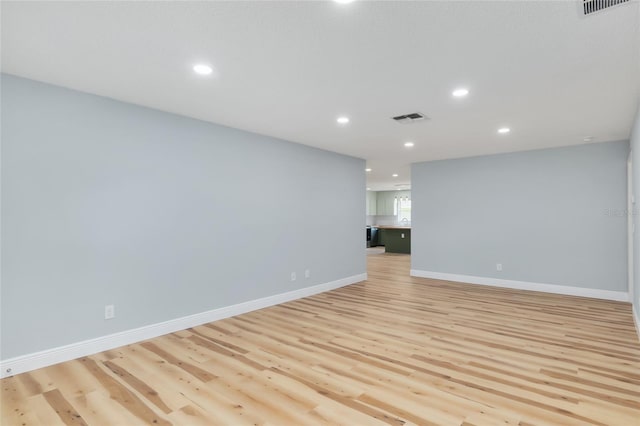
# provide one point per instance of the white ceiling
(289, 69)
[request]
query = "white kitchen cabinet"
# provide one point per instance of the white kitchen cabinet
(372, 199)
(385, 203)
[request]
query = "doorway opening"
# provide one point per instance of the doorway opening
(630, 225)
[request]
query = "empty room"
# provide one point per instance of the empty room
(320, 212)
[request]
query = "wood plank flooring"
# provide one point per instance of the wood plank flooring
(393, 350)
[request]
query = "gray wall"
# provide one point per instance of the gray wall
(553, 216)
(163, 216)
(635, 158)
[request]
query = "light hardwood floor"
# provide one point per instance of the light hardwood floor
(392, 350)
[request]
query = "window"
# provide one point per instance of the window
(402, 208)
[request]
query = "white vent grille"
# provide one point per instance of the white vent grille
(592, 6)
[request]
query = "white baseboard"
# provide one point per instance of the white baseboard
(636, 320)
(620, 296)
(24, 363)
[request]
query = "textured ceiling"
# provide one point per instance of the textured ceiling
(288, 69)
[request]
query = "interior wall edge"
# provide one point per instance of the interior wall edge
(636, 319)
(619, 296)
(33, 361)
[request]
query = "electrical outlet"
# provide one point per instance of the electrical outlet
(307, 273)
(498, 266)
(293, 276)
(109, 312)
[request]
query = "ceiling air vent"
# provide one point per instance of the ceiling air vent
(409, 118)
(592, 6)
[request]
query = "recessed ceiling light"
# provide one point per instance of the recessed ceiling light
(395, 175)
(202, 69)
(344, 1)
(368, 189)
(588, 138)
(408, 144)
(367, 170)
(342, 120)
(460, 93)
(504, 130)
